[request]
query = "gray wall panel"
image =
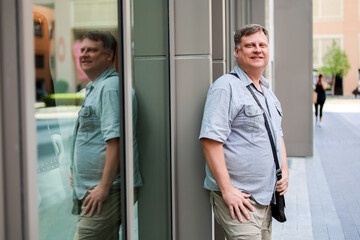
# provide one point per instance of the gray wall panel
(192, 27)
(151, 87)
(293, 72)
(258, 12)
(218, 29)
(218, 69)
(150, 31)
(193, 78)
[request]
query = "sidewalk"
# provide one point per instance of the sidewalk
(323, 201)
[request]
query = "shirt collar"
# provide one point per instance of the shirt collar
(243, 76)
(108, 72)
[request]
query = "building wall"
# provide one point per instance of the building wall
(338, 21)
(192, 75)
(293, 73)
(179, 72)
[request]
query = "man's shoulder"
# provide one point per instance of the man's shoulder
(226, 81)
(111, 82)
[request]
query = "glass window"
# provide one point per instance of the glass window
(327, 9)
(320, 47)
(74, 130)
(331, 8)
(75, 119)
(151, 103)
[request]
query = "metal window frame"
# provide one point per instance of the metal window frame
(18, 157)
(126, 148)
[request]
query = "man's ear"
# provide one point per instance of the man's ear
(110, 55)
(236, 49)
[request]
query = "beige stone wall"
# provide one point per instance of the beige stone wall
(339, 18)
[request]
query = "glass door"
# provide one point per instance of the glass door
(77, 116)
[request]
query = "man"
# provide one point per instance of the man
(95, 163)
(240, 169)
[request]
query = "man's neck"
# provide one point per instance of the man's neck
(94, 76)
(255, 76)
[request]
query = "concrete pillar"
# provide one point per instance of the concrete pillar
(293, 72)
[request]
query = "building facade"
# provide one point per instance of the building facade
(338, 20)
(169, 52)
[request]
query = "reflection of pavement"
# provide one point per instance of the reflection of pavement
(55, 195)
(323, 201)
(59, 112)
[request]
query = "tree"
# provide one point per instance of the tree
(336, 63)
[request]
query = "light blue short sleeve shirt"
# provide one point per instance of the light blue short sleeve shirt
(232, 117)
(98, 122)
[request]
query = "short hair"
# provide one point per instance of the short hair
(248, 30)
(107, 39)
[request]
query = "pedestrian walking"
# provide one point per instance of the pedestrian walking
(320, 88)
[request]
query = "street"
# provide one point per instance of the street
(323, 201)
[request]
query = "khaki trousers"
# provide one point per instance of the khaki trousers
(103, 226)
(257, 228)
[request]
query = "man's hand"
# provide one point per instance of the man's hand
(283, 184)
(95, 199)
(71, 181)
(238, 203)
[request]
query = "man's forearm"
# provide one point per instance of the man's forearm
(214, 155)
(236, 200)
(284, 162)
(112, 163)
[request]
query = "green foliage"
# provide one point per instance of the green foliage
(335, 61)
(61, 86)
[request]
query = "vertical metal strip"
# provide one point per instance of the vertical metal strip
(122, 121)
(19, 160)
(2, 159)
(20, 106)
(129, 203)
(28, 157)
(172, 53)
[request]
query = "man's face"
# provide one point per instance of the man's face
(94, 59)
(253, 54)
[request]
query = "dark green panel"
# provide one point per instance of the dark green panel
(153, 134)
(150, 27)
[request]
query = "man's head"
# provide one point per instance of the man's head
(98, 50)
(252, 48)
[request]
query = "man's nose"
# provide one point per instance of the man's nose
(257, 48)
(84, 53)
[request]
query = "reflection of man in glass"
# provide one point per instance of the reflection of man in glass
(95, 164)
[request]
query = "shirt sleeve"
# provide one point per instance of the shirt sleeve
(110, 119)
(216, 121)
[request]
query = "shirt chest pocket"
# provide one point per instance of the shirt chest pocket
(253, 119)
(88, 120)
(279, 109)
(278, 116)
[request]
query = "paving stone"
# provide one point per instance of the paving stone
(324, 193)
